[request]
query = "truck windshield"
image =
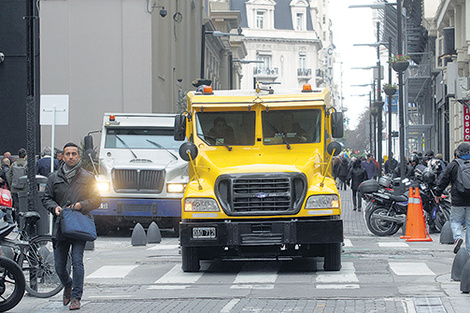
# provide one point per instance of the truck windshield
(140, 138)
(226, 128)
(291, 126)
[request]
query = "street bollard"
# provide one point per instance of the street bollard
(153, 233)
(138, 236)
(458, 264)
(446, 236)
(465, 280)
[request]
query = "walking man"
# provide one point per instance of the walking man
(74, 187)
(460, 195)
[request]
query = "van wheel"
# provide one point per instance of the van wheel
(332, 260)
(190, 259)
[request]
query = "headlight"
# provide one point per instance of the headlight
(103, 186)
(200, 205)
(175, 188)
(322, 201)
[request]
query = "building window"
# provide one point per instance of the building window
(260, 19)
(302, 61)
(324, 19)
(266, 61)
(300, 21)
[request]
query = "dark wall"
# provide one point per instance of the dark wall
(14, 78)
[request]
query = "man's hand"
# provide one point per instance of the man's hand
(57, 210)
(437, 199)
(77, 206)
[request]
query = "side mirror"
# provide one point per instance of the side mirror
(89, 146)
(180, 127)
(334, 148)
(337, 128)
(188, 147)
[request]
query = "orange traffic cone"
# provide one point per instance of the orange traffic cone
(418, 230)
(409, 214)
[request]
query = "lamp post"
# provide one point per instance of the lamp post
(400, 76)
(214, 33)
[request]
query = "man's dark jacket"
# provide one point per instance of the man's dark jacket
(450, 176)
(59, 192)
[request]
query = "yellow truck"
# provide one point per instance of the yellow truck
(260, 176)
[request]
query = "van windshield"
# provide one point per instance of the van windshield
(291, 126)
(140, 138)
(226, 128)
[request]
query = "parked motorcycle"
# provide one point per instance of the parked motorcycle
(386, 211)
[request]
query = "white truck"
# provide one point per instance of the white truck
(141, 175)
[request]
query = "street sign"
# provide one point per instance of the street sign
(466, 123)
(54, 108)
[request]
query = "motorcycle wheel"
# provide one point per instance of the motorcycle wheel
(379, 226)
(442, 216)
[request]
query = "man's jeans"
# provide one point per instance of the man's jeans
(61, 250)
(459, 215)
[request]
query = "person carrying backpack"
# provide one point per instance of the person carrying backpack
(457, 173)
(17, 169)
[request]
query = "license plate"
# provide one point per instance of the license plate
(203, 232)
(103, 206)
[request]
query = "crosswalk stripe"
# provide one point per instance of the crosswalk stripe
(408, 268)
(346, 275)
(112, 271)
(256, 273)
(164, 247)
(178, 277)
(347, 243)
(393, 245)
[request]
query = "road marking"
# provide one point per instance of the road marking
(348, 243)
(178, 277)
(346, 275)
(168, 287)
(338, 286)
(229, 306)
(112, 271)
(164, 247)
(250, 286)
(256, 273)
(408, 268)
(393, 245)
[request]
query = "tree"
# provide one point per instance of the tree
(358, 139)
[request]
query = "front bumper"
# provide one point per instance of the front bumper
(139, 207)
(234, 234)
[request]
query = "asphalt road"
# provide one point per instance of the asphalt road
(379, 274)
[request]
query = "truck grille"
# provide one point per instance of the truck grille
(262, 194)
(141, 181)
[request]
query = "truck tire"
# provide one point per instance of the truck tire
(332, 260)
(190, 259)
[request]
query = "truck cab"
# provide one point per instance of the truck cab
(141, 176)
(260, 176)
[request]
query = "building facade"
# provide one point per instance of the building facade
(132, 56)
(289, 39)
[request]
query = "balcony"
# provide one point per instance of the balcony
(304, 73)
(272, 72)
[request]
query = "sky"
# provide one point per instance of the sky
(353, 26)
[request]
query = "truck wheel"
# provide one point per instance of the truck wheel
(190, 259)
(332, 260)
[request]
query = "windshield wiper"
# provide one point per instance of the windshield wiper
(162, 147)
(279, 132)
(215, 140)
(126, 146)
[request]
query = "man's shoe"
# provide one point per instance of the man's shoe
(359, 209)
(67, 295)
(457, 245)
(354, 209)
(75, 305)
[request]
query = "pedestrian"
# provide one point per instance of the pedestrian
(60, 157)
(370, 167)
(357, 174)
(74, 187)
(43, 165)
(336, 163)
(390, 164)
(17, 170)
(4, 172)
(343, 169)
(457, 174)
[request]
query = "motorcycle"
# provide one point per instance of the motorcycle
(386, 210)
